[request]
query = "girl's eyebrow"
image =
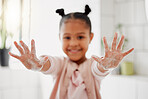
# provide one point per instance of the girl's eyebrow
(66, 33)
(77, 33)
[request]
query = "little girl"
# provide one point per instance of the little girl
(76, 77)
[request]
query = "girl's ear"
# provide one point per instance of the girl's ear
(91, 37)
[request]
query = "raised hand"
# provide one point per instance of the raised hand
(114, 56)
(28, 58)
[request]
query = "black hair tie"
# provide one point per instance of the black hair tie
(87, 10)
(60, 12)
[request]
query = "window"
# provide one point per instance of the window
(19, 19)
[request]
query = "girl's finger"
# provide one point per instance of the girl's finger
(114, 43)
(105, 43)
(120, 43)
(19, 48)
(129, 51)
(26, 49)
(13, 55)
(97, 59)
(33, 51)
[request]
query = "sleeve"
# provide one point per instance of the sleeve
(56, 65)
(97, 73)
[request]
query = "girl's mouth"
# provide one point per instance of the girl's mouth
(74, 51)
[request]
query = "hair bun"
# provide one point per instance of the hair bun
(87, 10)
(60, 12)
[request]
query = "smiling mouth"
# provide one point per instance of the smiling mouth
(74, 51)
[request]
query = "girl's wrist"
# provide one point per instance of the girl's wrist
(44, 61)
(103, 70)
(46, 66)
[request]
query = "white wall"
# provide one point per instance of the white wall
(131, 14)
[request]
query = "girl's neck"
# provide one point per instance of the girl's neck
(80, 61)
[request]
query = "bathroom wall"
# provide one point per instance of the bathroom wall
(131, 14)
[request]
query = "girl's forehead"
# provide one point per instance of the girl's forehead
(74, 25)
(75, 21)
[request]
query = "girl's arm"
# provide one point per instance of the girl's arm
(29, 59)
(113, 56)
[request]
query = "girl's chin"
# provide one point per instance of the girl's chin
(74, 59)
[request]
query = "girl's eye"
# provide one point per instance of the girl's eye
(80, 37)
(67, 38)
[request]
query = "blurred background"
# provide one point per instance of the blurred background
(36, 19)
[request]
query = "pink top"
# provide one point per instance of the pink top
(77, 87)
(74, 81)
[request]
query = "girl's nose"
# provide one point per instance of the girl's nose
(73, 42)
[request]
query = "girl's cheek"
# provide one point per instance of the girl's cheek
(86, 42)
(64, 44)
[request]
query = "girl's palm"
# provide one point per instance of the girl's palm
(114, 56)
(28, 58)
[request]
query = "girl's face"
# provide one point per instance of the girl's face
(75, 37)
